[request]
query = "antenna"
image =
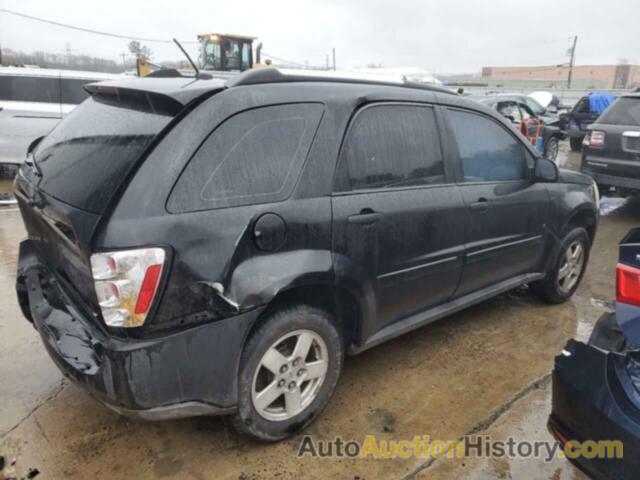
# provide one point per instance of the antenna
(199, 75)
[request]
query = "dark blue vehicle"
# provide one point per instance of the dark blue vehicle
(596, 387)
(584, 113)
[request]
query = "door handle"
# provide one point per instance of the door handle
(365, 216)
(481, 206)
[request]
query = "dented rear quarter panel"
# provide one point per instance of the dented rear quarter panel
(218, 246)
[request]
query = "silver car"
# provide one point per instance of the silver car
(32, 102)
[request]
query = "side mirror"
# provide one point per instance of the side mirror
(546, 170)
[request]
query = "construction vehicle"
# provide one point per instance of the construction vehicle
(221, 54)
(228, 53)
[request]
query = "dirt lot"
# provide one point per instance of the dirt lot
(484, 370)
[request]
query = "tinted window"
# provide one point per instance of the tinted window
(253, 157)
(29, 89)
(88, 154)
(488, 152)
(391, 146)
(624, 111)
(71, 90)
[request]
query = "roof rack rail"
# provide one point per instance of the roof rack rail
(275, 75)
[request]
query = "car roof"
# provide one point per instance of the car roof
(184, 89)
(53, 72)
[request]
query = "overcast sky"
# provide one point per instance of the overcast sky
(442, 36)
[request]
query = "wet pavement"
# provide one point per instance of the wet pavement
(484, 370)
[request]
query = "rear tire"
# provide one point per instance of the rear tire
(283, 384)
(576, 144)
(564, 277)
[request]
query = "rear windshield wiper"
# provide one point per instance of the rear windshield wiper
(33, 163)
(30, 155)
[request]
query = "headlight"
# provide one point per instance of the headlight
(596, 195)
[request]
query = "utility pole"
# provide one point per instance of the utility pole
(572, 51)
(333, 51)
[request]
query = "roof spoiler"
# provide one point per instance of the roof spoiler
(141, 100)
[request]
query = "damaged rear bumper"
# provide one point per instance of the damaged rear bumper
(188, 373)
(595, 397)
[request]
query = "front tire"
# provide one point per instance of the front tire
(565, 276)
(552, 148)
(289, 370)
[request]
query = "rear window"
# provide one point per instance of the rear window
(19, 88)
(88, 154)
(254, 157)
(624, 111)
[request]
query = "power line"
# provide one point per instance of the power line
(87, 30)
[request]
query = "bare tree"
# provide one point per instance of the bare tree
(139, 50)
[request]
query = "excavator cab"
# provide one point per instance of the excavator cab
(228, 53)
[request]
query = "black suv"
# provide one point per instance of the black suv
(208, 247)
(611, 153)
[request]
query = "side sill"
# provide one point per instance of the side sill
(426, 317)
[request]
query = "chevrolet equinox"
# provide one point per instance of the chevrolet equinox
(200, 246)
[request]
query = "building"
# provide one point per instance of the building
(584, 76)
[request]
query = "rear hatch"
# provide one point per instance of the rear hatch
(66, 185)
(619, 155)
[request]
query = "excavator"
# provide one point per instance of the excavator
(221, 54)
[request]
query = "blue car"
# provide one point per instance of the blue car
(596, 386)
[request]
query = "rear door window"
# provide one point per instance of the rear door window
(90, 152)
(22, 88)
(254, 157)
(390, 146)
(72, 91)
(624, 111)
(487, 151)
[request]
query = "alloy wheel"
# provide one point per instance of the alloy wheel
(571, 267)
(289, 375)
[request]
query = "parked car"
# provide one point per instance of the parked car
(584, 113)
(244, 235)
(518, 110)
(611, 153)
(596, 385)
(32, 102)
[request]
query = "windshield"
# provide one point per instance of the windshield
(534, 106)
(211, 56)
(86, 157)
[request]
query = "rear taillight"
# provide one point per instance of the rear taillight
(126, 282)
(596, 139)
(628, 285)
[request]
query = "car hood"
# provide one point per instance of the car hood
(569, 176)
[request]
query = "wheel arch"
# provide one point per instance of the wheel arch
(338, 301)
